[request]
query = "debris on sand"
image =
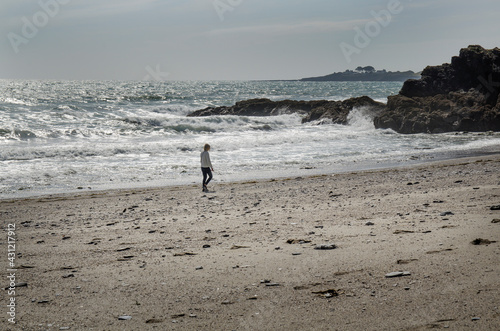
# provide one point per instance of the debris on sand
(481, 241)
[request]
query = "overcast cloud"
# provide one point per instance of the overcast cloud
(234, 39)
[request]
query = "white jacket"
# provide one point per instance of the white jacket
(205, 160)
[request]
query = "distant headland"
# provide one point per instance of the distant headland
(365, 74)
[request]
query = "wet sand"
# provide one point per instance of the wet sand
(245, 257)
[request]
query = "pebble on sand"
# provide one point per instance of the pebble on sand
(239, 246)
(397, 274)
(124, 318)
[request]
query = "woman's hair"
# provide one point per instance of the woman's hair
(206, 147)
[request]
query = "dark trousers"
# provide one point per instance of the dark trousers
(207, 175)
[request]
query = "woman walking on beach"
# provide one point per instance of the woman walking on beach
(206, 167)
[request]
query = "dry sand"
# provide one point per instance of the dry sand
(244, 257)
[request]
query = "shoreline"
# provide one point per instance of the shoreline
(244, 257)
(264, 176)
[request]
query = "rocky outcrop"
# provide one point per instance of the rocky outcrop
(461, 96)
(333, 111)
(257, 107)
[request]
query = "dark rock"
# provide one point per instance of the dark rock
(406, 261)
(326, 247)
(495, 207)
(461, 96)
(481, 241)
(178, 315)
(470, 70)
(239, 247)
(68, 268)
(298, 241)
(403, 231)
(126, 258)
(327, 293)
(335, 111)
(184, 254)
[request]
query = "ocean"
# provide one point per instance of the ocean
(73, 136)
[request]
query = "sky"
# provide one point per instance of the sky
(234, 39)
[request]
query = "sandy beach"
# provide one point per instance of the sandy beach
(408, 248)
